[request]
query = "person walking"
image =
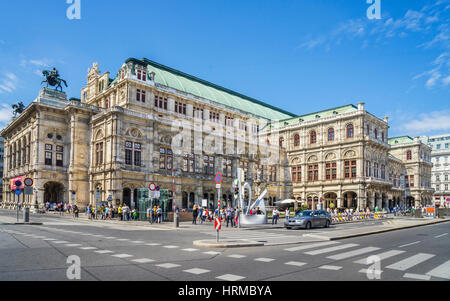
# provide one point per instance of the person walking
(75, 211)
(275, 213)
(159, 213)
(119, 212)
(194, 214)
(287, 213)
(228, 216)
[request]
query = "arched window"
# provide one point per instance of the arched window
(409, 155)
(331, 134)
(296, 140)
(350, 131)
(313, 137)
(281, 141)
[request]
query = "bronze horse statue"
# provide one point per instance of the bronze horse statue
(52, 78)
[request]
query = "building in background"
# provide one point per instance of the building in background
(152, 123)
(440, 157)
(2, 148)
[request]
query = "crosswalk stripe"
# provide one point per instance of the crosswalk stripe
(143, 260)
(295, 263)
(410, 262)
(122, 255)
(88, 248)
(416, 276)
(311, 246)
(353, 253)
(382, 256)
(103, 251)
(331, 249)
(330, 267)
(442, 271)
(196, 271)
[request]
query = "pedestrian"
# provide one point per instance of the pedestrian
(75, 211)
(287, 214)
(119, 212)
(159, 213)
(275, 216)
(200, 214)
(149, 215)
(228, 216)
(194, 214)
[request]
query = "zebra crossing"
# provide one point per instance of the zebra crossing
(350, 250)
(258, 236)
(393, 260)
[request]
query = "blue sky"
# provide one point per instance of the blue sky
(300, 55)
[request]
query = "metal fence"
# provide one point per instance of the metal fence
(357, 216)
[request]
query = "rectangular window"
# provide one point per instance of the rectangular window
(162, 158)
(48, 158)
(161, 102)
(59, 159)
(197, 113)
(213, 116)
(137, 154)
(180, 108)
(296, 174)
(99, 153)
(139, 74)
(128, 153)
(411, 181)
(331, 171)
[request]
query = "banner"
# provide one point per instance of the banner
(12, 182)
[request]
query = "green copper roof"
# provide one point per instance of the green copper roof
(400, 140)
(317, 115)
(178, 80)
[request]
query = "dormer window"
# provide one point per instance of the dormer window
(141, 75)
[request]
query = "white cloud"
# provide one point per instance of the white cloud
(5, 114)
(426, 123)
(8, 83)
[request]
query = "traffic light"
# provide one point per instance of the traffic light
(236, 189)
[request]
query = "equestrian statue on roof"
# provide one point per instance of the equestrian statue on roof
(52, 78)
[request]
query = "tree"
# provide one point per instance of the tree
(18, 108)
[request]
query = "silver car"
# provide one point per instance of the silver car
(309, 219)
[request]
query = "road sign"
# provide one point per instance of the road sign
(218, 178)
(28, 191)
(157, 194)
(18, 183)
(218, 224)
(109, 199)
(18, 191)
(152, 194)
(28, 182)
(157, 188)
(152, 186)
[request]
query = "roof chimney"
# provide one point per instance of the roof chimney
(361, 106)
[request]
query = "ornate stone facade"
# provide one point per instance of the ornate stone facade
(156, 124)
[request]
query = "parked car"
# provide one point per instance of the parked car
(309, 219)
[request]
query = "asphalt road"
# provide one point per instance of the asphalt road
(124, 252)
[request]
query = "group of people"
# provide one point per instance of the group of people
(276, 215)
(202, 214)
(154, 214)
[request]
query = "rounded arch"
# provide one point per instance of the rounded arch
(331, 133)
(296, 139)
(296, 160)
(349, 153)
(330, 156)
(53, 192)
(313, 137)
(134, 132)
(312, 158)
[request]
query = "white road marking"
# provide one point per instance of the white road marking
(330, 267)
(353, 253)
(310, 246)
(88, 248)
(264, 259)
(123, 239)
(189, 250)
(442, 271)
(104, 251)
(73, 245)
(49, 239)
(441, 235)
(230, 277)
(138, 242)
(413, 243)
(295, 263)
(410, 262)
(171, 247)
(143, 260)
(236, 256)
(153, 244)
(196, 271)
(168, 265)
(211, 253)
(382, 256)
(60, 242)
(331, 249)
(122, 255)
(417, 276)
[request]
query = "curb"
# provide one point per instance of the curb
(225, 244)
(24, 224)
